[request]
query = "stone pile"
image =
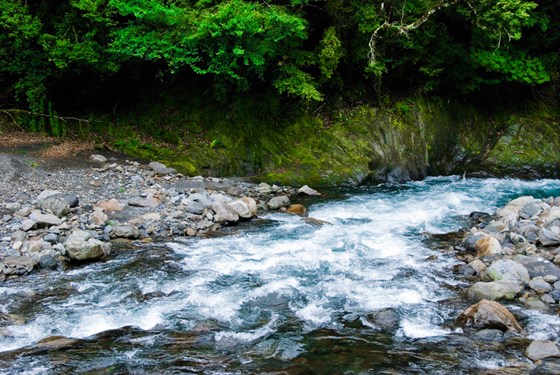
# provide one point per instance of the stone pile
(124, 201)
(514, 256)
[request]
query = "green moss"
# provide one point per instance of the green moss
(274, 142)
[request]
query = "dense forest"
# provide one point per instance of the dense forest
(308, 49)
(323, 91)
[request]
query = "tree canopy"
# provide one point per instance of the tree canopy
(300, 48)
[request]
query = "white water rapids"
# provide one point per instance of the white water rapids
(280, 280)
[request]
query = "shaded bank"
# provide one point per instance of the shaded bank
(278, 142)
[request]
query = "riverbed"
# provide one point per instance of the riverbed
(368, 291)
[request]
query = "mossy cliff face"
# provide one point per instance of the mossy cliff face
(410, 140)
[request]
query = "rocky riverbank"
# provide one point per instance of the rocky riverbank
(513, 256)
(79, 211)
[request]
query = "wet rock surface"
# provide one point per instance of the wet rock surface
(513, 257)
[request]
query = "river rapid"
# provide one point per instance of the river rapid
(279, 296)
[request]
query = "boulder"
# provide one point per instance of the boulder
(18, 265)
(124, 231)
(510, 213)
(531, 209)
(47, 193)
(98, 218)
(489, 315)
(478, 266)
(98, 159)
(494, 290)
(552, 214)
(48, 262)
(278, 202)
(471, 239)
(539, 285)
(307, 191)
(264, 188)
(160, 168)
(195, 208)
(27, 225)
(81, 245)
(387, 320)
(245, 207)
(110, 205)
(150, 202)
(57, 205)
(201, 198)
(223, 212)
(548, 237)
(534, 303)
(487, 246)
(540, 349)
(297, 209)
(505, 269)
(496, 226)
(44, 220)
(538, 266)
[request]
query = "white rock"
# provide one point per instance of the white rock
(307, 190)
(245, 207)
(98, 159)
(279, 201)
(47, 193)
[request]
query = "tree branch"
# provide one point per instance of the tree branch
(401, 27)
(9, 112)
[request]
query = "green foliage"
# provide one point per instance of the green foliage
(515, 66)
(301, 48)
(294, 81)
(329, 53)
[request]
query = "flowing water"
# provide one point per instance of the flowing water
(280, 296)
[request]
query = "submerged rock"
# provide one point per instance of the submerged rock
(540, 349)
(489, 315)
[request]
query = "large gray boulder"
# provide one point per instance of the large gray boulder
(548, 237)
(44, 220)
(81, 245)
(279, 201)
(245, 207)
(160, 168)
(125, 231)
(505, 269)
(537, 266)
(494, 290)
(57, 205)
(223, 212)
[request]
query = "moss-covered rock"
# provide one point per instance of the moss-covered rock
(412, 139)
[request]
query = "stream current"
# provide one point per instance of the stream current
(279, 296)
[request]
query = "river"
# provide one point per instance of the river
(371, 292)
